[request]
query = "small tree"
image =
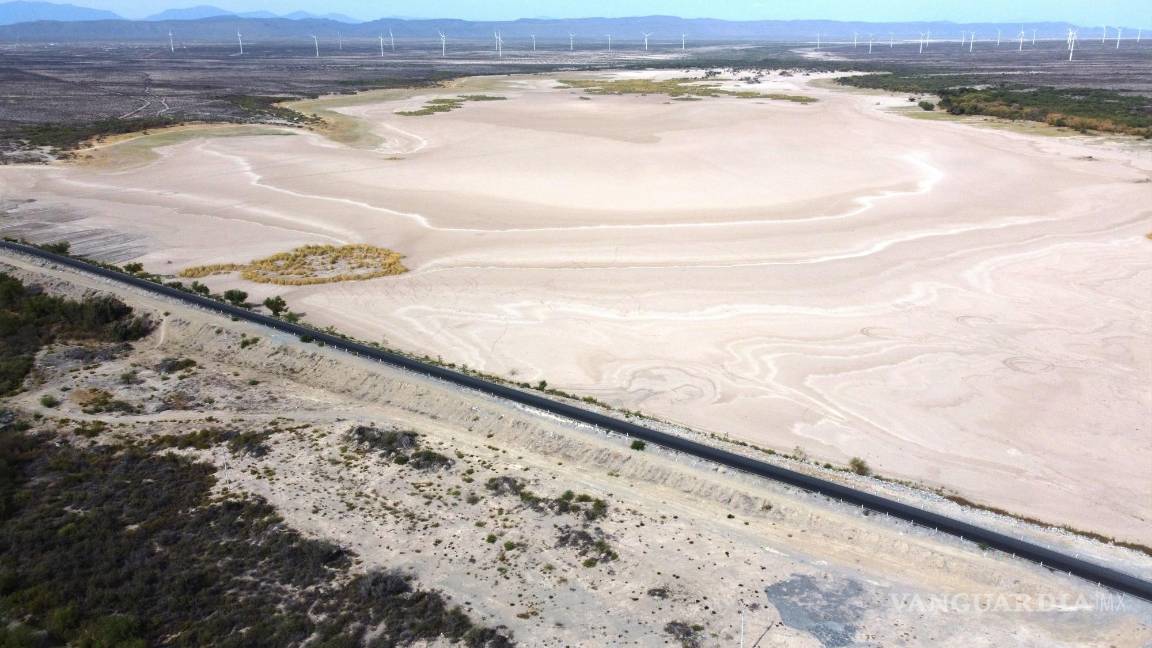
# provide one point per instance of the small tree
(199, 288)
(235, 297)
(133, 268)
(276, 305)
(927, 105)
(639, 445)
(292, 317)
(58, 248)
(859, 466)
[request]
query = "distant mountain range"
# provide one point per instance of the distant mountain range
(20, 12)
(12, 13)
(48, 22)
(208, 11)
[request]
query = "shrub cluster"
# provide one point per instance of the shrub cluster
(93, 552)
(30, 319)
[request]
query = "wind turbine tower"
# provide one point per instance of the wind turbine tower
(891, 40)
(921, 42)
(443, 45)
(684, 42)
(609, 42)
(392, 40)
(855, 39)
(646, 35)
(571, 42)
(381, 45)
(316, 42)
(971, 41)
(1071, 43)
(533, 42)
(997, 38)
(1021, 48)
(817, 41)
(869, 43)
(1119, 30)
(1033, 37)
(1104, 34)
(240, 39)
(171, 43)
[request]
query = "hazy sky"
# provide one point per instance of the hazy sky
(1085, 12)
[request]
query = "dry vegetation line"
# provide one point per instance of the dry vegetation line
(311, 264)
(364, 383)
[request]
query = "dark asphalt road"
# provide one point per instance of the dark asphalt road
(1055, 560)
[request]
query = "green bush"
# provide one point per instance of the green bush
(29, 320)
(196, 569)
(637, 444)
(927, 106)
(48, 400)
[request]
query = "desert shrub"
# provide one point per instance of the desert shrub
(235, 297)
(859, 466)
(638, 445)
(276, 305)
(174, 365)
(177, 566)
(927, 106)
(48, 400)
(687, 635)
(30, 319)
(61, 247)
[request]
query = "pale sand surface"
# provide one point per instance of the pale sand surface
(960, 306)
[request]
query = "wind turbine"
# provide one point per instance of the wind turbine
(971, 40)
(1103, 34)
(921, 42)
(443, 45)
(381, 45)
(855, 39)
(1033, 37)
(499, 44)
(171, 43)
(891, 40)
(1021, 48)
(817, 41)
(316, 42)
(646, 35)
(496, 37)
(533, 42)
(684, 42)
(1071, 43)
(962, 36)
(1139, 33)
(927, 38)
(869, 43)
(340, 41)
(241, 40)
(571, 42)
(609, 42)
(392, 40)
(1119, 30)
(997, 38)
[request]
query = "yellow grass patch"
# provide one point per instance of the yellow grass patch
(312, 264)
